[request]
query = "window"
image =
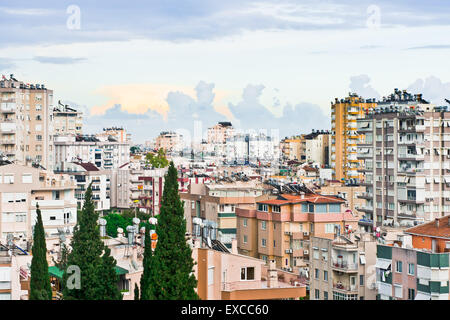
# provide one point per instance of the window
(361, 280)
(311, 208)
(329, 227)
(411, 269)
(263, 225)
(317, 294)
(276, 209)
(316, 254)
(274, 243)
(27, 178)
(21, 217)
(9, 178)
(245, 222)
(263, 242)
(325, 295)
(411, 294)
(334, 208)
(316, 273)
(398, 266)
(210, 276)
(248, 273)
(245, 239)
(398, 291)
(263, 207)
(325, 275)
(321, 208)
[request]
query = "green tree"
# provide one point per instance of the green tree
(98, 279)
(159, 160)
(147, 277)
(40, 288)
(173, 263)
(136, 292)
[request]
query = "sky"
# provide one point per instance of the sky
(152, 66)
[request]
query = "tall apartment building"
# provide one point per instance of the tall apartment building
(316, 147)
(67, 120)
(406, 164)
(344, 113)
(343, 268)
(279, 229)
(22, 188)
(416, 266)
(26, 122)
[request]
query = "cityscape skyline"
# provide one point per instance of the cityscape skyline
(255, 64)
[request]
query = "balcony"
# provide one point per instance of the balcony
(344, 266)
(345, 288)
(365, 195)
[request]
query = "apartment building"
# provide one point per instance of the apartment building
(231, 276)
(251, 148)
(104, 153)
(67, 120)
(169, 141)
(352, 194)
(316, 147)
(139, 188)
(14, 277)
(343, 268)
(219, 133)
(86, 173)
(279, 229)
(119, 134)
(217, 203)
(406, 164)
(345, 136)
(291, 148)
(22, 188)
(408, 273)
(26, 126)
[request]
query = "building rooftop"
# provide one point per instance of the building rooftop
(437, 228)
(285, 199)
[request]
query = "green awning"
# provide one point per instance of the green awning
(54, 271)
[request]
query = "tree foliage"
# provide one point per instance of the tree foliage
(89, 253)
(157, 161)
(172, 261)
(40, 288)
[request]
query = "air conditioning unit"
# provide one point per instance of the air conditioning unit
(288, 250)
(289, 269)
(305, 252)
(305, 233)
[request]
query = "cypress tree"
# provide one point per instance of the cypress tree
(40, 288)
(147, 276)
(136, 292)
(98, 279)
(173, 263)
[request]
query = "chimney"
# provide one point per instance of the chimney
(437, 223)
(272, 281)
(234, 249)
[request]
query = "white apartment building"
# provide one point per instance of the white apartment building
(22, 188)
(104, 153)
(251, 148)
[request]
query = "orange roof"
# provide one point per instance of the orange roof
(432, 230)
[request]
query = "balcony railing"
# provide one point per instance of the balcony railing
(342, 287)
(344, 265)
